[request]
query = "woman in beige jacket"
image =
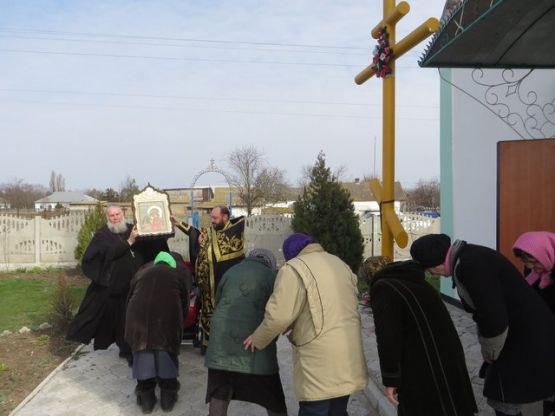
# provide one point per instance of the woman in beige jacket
(315, 297)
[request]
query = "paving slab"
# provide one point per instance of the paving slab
(92, 383)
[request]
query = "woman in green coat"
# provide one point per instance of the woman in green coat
(233, 372)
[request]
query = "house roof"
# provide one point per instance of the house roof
(67, 198)
(495, 34)
(360, 191)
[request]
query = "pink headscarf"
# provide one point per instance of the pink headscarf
(540, 245)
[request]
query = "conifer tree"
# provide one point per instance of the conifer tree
(94, 220)
(325, 211)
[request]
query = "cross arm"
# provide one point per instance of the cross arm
(397, 14)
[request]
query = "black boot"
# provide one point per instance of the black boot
(168, 393)
(145, 394)
(128, 355)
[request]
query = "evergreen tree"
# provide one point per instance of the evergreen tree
(325, 211)
(94, 220)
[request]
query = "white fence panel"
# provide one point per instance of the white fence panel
(43, 242)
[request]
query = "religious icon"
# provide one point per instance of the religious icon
(152, 212)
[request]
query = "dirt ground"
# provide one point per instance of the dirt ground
(27, 359)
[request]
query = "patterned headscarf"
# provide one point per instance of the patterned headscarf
(541, 246)
(266, 257)
(293, 244)
(371, 266)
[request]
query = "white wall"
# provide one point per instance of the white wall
(476, 131)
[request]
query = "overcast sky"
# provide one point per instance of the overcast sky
(99, 90)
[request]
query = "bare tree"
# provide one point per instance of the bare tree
(424, 196)
(93, 192)
(256, 183)
(272, 185)
(20, 194)
(57, 182)
(306, 172)
(304, 179)
(339, 173)
(128, 188)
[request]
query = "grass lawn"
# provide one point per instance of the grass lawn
(27, 302)
(26, 359)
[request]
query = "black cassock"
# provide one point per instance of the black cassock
(419, 348)
(110, 263)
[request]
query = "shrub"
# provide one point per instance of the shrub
(325, 211)
(63, 303)
(94, 220)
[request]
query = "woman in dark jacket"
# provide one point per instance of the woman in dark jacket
(153, 328)
(516, 330)
(421, 357)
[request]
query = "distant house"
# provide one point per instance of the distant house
(206, 198)
(4, 204)
(68, 200)
(364, 200)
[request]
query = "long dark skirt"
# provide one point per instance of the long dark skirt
(265, 391)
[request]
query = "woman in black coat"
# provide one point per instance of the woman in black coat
(421, 357)
(516, 329)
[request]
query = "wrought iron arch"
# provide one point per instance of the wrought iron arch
(212, 168)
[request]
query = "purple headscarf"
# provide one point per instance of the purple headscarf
(293, 244)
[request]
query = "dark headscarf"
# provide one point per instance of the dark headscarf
(293, 244)
(430, 250)
(264, 256)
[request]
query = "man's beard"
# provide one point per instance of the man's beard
(219, 226)
(118, 228)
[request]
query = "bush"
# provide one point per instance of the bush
(94, 220)
(63, 304)
(325, 211)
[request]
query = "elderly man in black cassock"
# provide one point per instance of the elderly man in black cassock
(110, 261)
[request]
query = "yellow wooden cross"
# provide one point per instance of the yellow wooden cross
(390, 224)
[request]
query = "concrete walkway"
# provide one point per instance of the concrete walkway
(94, 383)
(99, 383)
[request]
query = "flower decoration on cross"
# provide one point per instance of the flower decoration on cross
(382, 55)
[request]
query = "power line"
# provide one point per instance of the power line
(112, 35)
(208, 110)
(190, 40)
(182, 97)
(171, 58)
(226, 48)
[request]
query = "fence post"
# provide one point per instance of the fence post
(37, 239)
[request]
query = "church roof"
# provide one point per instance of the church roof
(495, 34)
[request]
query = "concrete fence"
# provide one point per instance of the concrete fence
(39, 242)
